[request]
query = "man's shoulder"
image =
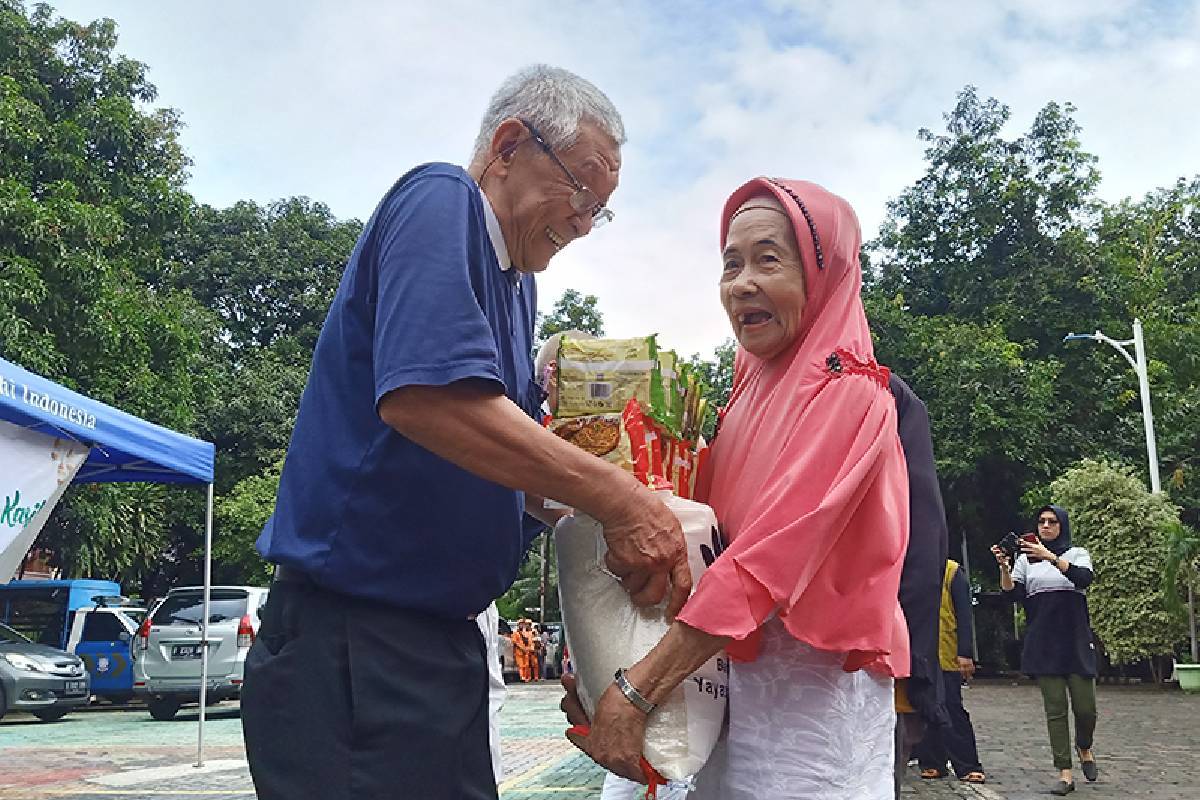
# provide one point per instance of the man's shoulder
(434, 194)
(438, 174)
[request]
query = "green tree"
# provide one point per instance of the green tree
(91, 186)
(1125, 529)
(991, 410)
(269, 274)
(572, 310)
(1183, 569)
(240, 515)
(717, 376)
(987, 260)
(1150, 256)
(994, 229)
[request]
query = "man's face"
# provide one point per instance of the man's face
(532, 201)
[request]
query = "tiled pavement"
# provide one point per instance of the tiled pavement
(1148, 744)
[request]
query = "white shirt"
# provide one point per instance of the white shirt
(495, 234)
(1044, 576)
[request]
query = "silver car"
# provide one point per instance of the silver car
(45, 681)
(168, 647)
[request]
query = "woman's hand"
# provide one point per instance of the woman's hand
(1038, 550)
(618, 727)
(617, 732)
(1006, 580)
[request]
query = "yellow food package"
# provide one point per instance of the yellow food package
(602, 435)
(599, 376)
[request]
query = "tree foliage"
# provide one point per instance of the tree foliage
(91, 188)
(1125, 529)
(984, 264)
(571, 311)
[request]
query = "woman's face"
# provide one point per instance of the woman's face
(1048, 525)
(762, 281)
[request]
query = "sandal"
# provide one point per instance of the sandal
(975, 776)
(1062, 787)
(932, 774)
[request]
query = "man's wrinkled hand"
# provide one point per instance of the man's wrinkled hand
(617, 734)
(646, 550)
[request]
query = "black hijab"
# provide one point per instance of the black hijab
(1061, 543)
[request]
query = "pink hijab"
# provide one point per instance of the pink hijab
(807, 475)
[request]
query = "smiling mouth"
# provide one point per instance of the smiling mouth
(751, 318)
(556, 240)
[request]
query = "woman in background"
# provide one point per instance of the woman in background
(1049, 579)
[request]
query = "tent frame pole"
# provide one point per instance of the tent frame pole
(208, 530)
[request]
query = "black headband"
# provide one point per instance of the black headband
(812, 227)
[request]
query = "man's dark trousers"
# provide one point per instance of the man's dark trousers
(954, 740)
(347, 699)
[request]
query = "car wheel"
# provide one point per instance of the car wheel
(162, 709)
(51, 714)
(3, 703)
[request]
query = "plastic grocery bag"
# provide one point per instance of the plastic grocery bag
(605, 631)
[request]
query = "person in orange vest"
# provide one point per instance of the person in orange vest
(523, 650)
(955, 739)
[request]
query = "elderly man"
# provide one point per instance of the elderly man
(401, 510)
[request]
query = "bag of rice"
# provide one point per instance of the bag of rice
(606, 631)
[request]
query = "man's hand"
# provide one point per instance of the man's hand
(617, 735)
(966, 668)
(647, 552)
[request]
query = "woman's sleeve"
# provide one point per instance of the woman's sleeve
(1079, 568)
(801, 515)
(1017, 593)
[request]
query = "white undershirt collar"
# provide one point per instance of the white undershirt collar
(495, 234)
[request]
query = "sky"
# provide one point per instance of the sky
(334, 101)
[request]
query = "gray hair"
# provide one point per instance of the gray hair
(555, 101)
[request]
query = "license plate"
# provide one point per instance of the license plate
(76, 687)
(182, 652)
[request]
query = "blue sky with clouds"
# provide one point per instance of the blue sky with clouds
(336, 100)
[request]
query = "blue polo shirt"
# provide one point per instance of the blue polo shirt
(361, 509)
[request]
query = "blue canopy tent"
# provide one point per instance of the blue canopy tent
(122, 448)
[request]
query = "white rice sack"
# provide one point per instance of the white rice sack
(606, 631)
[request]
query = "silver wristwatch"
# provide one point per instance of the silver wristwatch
(632, 694)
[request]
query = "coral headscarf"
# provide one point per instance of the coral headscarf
(807, 473)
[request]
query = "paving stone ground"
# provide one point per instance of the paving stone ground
(1147, 742)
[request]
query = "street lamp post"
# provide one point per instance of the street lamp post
(1138, 362)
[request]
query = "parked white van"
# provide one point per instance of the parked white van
(168, 647)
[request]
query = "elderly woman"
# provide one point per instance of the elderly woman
(808, 480)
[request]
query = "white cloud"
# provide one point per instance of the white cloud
(335, 101)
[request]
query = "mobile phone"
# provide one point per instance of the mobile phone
(1032, 538)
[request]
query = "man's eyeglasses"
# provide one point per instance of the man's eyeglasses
(584, 200)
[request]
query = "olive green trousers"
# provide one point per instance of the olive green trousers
(1055, 689)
